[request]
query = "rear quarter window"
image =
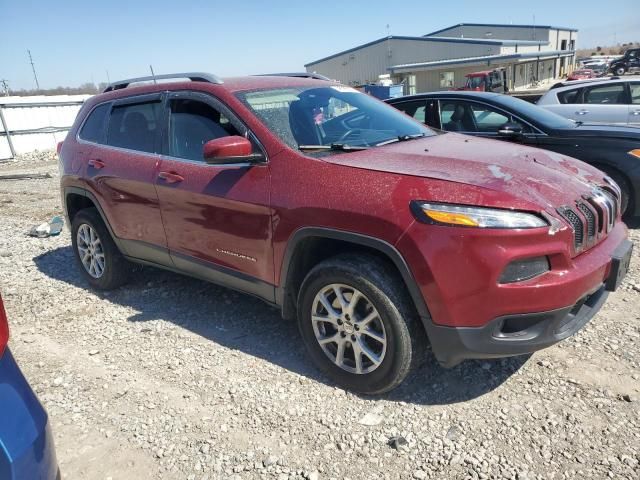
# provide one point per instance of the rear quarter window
(93, 128)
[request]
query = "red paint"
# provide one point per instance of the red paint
(233, 146)
(217, 211)
(582, 74)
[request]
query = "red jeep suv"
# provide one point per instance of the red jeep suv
(377, 233)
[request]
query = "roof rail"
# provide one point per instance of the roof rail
(314, 75)
(193, 76)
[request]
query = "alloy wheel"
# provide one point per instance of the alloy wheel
(90, 251)
(349, 329)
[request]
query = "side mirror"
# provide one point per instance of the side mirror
(510, 130)
(232, 149)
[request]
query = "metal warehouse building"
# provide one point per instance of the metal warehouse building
(440, 60)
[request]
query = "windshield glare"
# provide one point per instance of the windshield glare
(333, 115)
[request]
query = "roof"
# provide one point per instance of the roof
(500, 25)
(231, 84)
(484, 58)
(477, 41)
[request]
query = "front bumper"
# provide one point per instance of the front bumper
(26, 443)
(513, 334)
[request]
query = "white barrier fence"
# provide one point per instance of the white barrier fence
(35, 123)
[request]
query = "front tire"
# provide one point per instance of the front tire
(97, 255)
(619, 70)
(358, 324)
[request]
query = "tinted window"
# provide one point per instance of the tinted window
(540, 117)
(192, 124)
(414, 109)
(568, 96)
(134, 126)
(461, 116)
(93, 128)
(607, 94)
(635, 93)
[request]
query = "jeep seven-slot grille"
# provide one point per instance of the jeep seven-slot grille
(591, 218)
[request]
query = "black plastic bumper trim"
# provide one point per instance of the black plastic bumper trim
(452, 345)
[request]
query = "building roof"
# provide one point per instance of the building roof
(482, 59)
(499, 25)
(478, 41)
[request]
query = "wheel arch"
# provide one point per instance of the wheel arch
(77, 199)
(309, 246)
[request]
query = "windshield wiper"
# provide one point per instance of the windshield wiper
(340, 147)
(401, 138)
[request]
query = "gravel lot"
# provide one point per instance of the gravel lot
(172, 377)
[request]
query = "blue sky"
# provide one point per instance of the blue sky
(74, 41)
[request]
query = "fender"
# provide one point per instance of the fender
(359, 239)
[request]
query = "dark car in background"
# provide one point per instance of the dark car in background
(26, 443)
(613, 149)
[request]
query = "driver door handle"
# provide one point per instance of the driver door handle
(582, 112)
(635, 112)
(170, 177)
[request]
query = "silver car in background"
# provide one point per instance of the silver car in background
(612, 100)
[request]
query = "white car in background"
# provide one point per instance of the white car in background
(612, 100)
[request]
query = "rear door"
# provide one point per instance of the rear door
(121, 171)
(217, 217)
(634, 107)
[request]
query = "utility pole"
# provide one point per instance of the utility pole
(34, 70)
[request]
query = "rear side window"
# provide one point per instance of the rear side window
(134, 126)
(568, 96)
(415, 109)
(606, 94)
(93, 128)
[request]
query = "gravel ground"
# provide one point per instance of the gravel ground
(172, 377)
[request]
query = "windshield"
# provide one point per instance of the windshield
(475, 82)
(536, 114)
(332, 116)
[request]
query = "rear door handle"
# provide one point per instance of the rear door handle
(582, 112)
(635, 112)
(95, 163)
(170, 177)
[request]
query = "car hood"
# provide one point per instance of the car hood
(535, 176)
(601, 130)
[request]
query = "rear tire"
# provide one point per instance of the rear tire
(619, 70)
(97, 255)
(380, 326)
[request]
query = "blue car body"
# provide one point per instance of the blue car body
(26, 443)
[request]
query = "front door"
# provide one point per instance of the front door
(217, 217)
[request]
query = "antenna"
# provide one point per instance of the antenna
(33, 67)
(108, 78)
(153, 74)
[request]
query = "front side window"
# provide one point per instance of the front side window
(134, 126)
(93, 128)
(460, 116)
(606, 94)
(329, 117)
(193, 123)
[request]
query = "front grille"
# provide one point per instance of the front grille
(591, 218)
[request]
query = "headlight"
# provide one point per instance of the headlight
(480, 217)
